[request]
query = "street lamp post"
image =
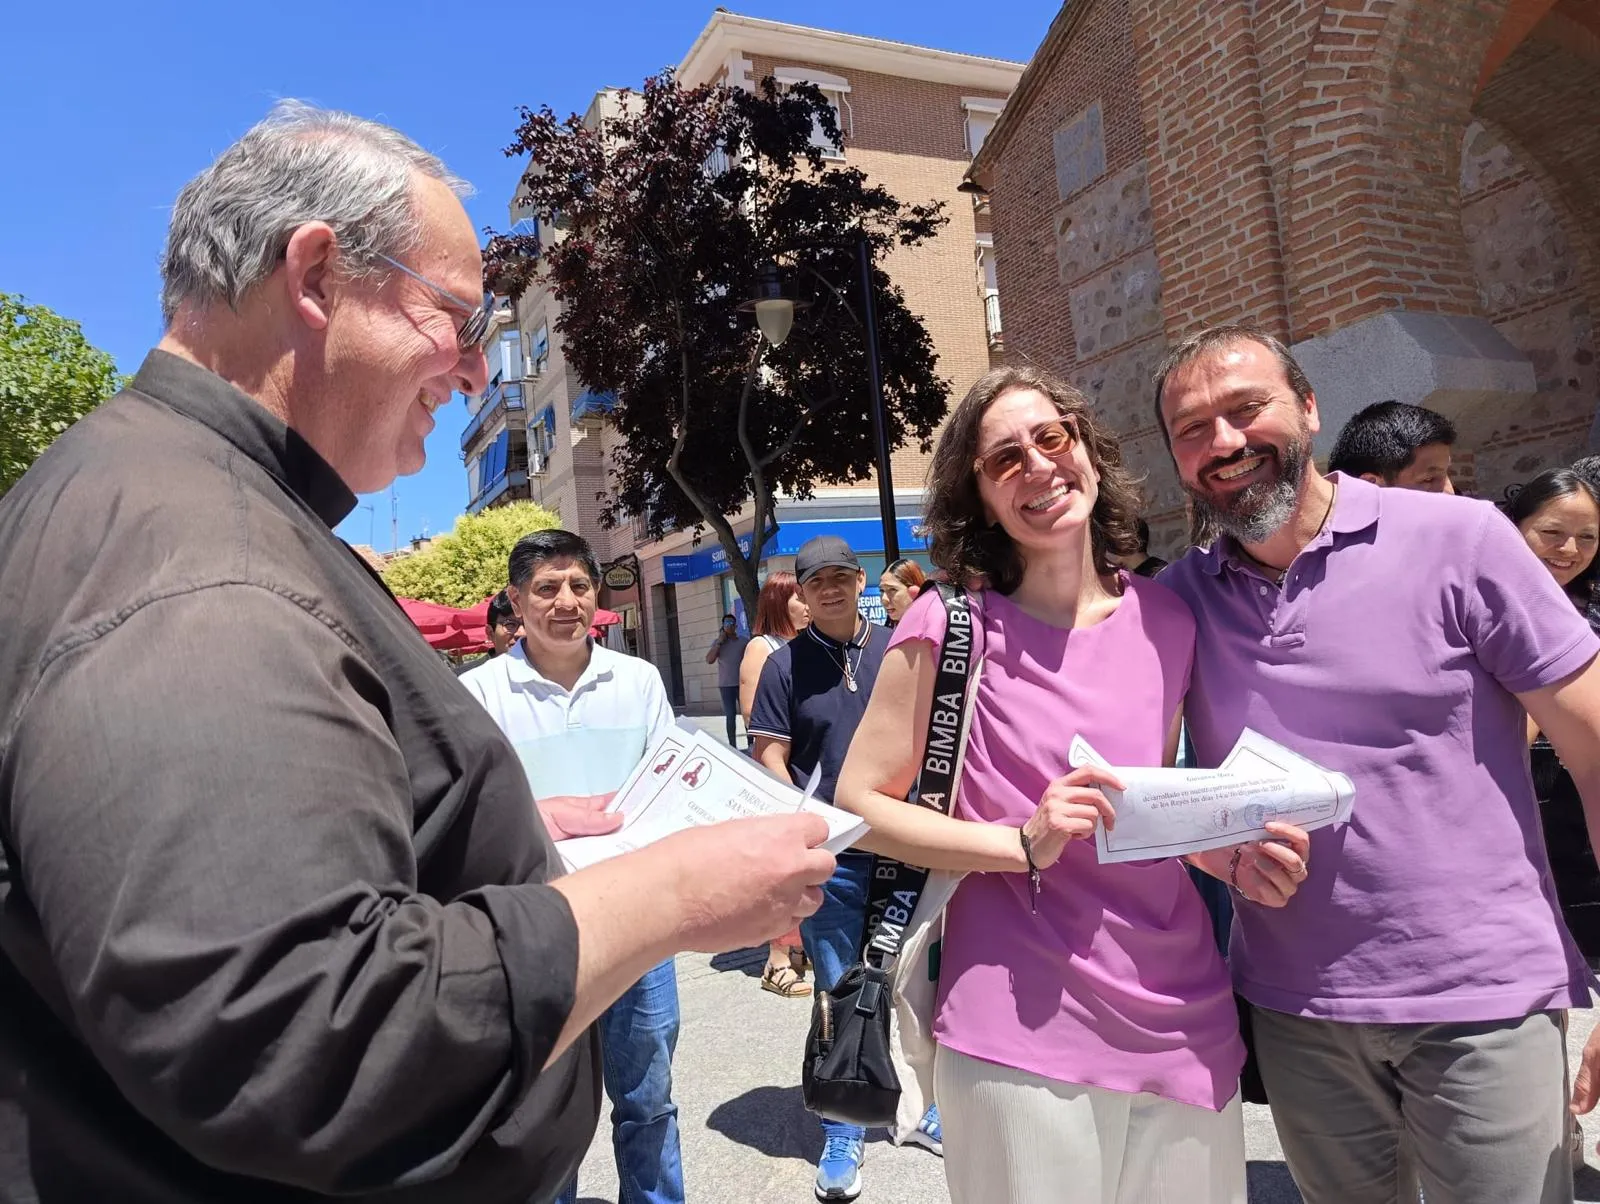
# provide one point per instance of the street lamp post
(880, 425)
(774, 310)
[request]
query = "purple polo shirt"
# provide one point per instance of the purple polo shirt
(1392, 654)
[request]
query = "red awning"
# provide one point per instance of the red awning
(449, 629)
(452, 630)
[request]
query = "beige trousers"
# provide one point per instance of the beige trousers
(1024, 1139)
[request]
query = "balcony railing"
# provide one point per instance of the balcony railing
(496, 489)
(991, 318)
(503, 396)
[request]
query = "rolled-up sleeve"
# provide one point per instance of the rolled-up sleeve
(214, 823)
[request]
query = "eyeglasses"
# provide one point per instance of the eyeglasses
(474, 331)
(1005, 460)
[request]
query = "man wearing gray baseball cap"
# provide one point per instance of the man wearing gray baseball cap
(812, 695)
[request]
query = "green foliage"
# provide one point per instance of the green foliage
(50, 376)
(464, 567)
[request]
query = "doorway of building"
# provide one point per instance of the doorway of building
(664, 602)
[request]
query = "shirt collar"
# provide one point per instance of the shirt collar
(522, 672)
(863, 633)
(1355, 508)
(200, 394)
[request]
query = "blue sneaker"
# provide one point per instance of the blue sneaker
(839, 1168)
(928, 1134)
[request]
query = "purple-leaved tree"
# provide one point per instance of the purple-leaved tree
(655, 227)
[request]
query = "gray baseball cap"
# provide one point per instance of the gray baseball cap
(823, 552)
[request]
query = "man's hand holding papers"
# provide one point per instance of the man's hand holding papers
(687, 780)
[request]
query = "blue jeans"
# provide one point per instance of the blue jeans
(638, 1034)
(730, 713)
(832, 938)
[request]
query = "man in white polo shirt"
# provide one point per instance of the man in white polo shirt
(581, 717)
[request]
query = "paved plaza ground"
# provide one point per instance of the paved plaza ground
(746, 1136)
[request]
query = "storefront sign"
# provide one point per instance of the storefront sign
(620, 576)
(707, 562)
(865, 535)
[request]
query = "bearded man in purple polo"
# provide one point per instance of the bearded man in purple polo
(1409, 996)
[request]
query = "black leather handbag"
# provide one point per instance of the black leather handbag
(848, 1074)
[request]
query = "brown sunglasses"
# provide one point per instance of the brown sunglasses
(1005, 460)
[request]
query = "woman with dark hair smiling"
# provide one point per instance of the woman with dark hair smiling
(1558, 513)
(1087, 1039)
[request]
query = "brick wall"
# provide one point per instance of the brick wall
(1544, 101)
(1075, 240)
(1210, 188)
(1306, 167)
(1304, 156)
(1532, 287)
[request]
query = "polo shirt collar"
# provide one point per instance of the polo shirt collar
(1355, 508)
(204, 397)
(862, 634)
(522, 672)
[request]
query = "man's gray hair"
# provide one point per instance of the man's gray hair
(232, 222)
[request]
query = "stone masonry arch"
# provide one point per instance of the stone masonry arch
(1370, 209)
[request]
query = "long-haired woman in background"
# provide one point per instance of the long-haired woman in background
(781, 614)
(899, 587)
(1558, 513)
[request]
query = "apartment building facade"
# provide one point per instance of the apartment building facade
(911, 118)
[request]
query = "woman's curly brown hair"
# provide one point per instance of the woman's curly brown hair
(963, 541)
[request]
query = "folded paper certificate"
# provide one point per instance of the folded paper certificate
(688, 780)
(1168, 812)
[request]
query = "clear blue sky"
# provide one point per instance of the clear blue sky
(116, 105)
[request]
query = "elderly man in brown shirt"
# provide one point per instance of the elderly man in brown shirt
(278, 918)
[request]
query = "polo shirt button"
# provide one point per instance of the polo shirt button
(1263, 590)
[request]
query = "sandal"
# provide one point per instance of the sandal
(782, 980)
(798, 961)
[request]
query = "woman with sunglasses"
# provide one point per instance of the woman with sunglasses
(1088, 1044)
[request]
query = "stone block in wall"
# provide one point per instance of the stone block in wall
(1080, 151)
(1147, 458)
(1461, 366)
(1559, 342)
(1519, 251)
(1119, 385)
(1500, 466)
(1119, 305)
(1104, 223)
(1485, 160)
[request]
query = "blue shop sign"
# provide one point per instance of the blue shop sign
(864, 535)
(707, 562)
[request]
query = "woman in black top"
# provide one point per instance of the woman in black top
(1558, 513)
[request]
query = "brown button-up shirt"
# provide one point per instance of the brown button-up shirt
(273, 915)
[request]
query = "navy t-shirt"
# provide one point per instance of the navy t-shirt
(803, 699)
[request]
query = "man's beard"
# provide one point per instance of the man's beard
(1256, 512)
